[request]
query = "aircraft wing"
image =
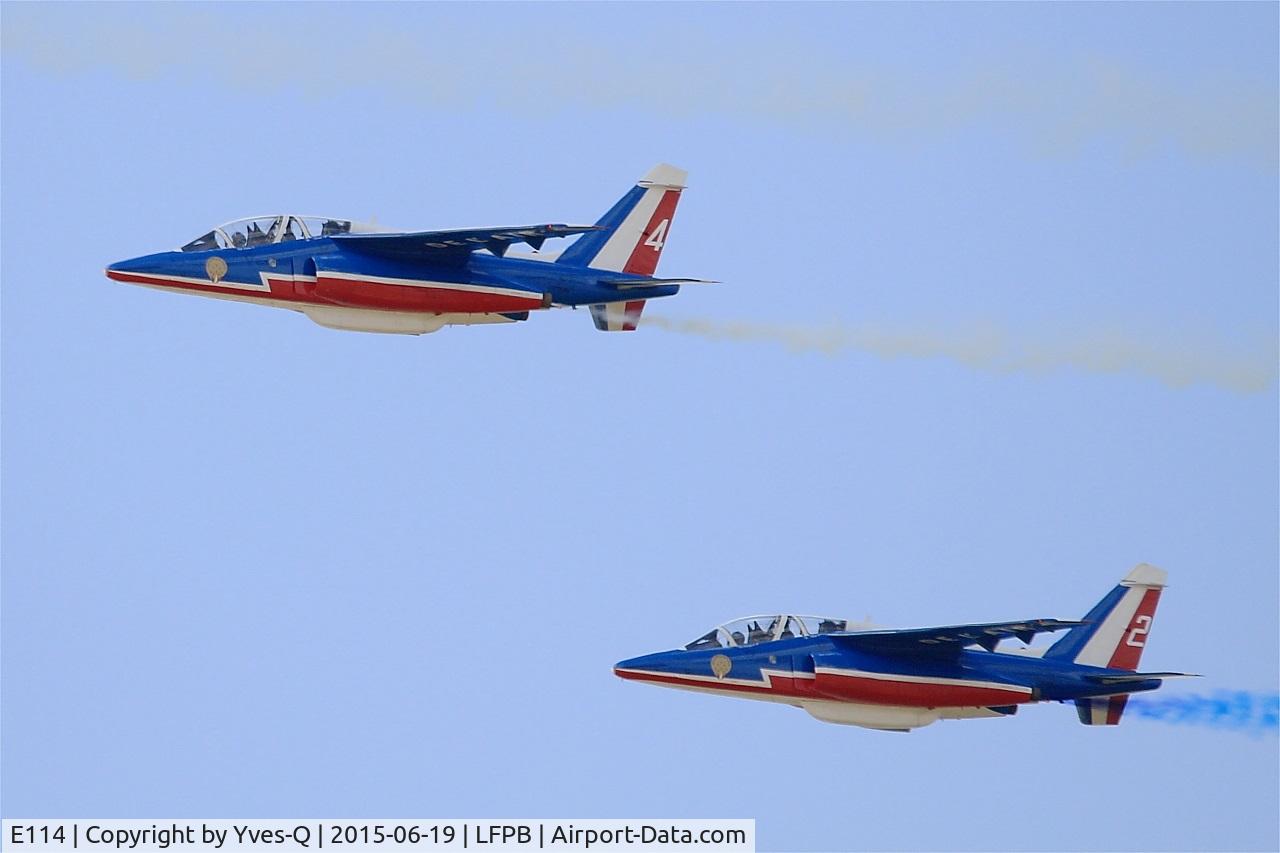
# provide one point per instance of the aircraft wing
(946, 641)
(454, 246)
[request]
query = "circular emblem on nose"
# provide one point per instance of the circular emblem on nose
(720, 665)
(215, 268)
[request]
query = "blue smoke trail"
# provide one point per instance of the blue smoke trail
(1238, 710)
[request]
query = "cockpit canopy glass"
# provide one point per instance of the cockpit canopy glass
(763, 629)
(265, 230)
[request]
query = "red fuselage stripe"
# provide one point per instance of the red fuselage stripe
(851, 688)
(914, 693)
(355, 293)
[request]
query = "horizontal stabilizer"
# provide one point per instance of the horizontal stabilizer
(947, 641)
(1134, 677)
(632, 284)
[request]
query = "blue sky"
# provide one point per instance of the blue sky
(253, 567)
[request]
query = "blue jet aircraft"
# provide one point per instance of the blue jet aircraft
(346, 275)
(901, 680)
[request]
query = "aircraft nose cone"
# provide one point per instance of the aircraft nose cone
(119, 269)
(650, 663)
(160, 263)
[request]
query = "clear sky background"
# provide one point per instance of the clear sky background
(254, 567)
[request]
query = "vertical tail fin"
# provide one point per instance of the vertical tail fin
(1114, 637)
(631, 238)
(635, 229)
(1118, 625)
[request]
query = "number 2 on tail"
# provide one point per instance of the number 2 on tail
(1138, 633)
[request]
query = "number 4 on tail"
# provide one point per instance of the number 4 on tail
(659, 236)
(1138, 633)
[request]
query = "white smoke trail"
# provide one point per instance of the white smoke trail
(988, 348)
(429, 57)
(1238, 710)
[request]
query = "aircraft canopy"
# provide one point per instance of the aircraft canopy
(763, 629)
(264, 230)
